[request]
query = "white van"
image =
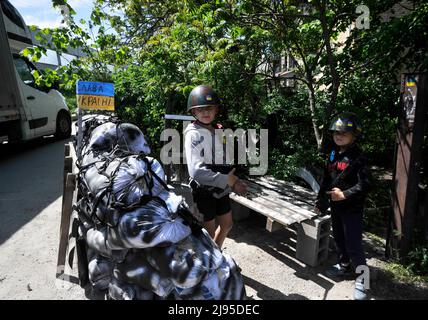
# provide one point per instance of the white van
(27, 111)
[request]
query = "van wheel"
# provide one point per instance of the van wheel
(63, 125)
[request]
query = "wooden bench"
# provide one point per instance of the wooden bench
(287, 204)
(283, 203)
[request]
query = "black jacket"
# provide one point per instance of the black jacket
(355, 184)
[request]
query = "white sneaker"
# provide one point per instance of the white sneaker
(360, 291)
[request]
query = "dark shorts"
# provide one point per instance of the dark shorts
(209, 206)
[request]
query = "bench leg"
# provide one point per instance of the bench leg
(312, 240)
(272, 225)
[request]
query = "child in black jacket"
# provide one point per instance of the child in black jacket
(345, 186)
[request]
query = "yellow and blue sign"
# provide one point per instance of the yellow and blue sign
(410, 81)
(95, 95)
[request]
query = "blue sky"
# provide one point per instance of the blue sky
(42, 14)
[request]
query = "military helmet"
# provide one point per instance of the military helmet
(202, 96)
(346, 122)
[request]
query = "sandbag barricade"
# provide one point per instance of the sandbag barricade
(142, 240)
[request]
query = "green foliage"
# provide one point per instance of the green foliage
(70, 99)
(375, 102)
(161, 50)
(404, 274)
(418, 261)
(283, 166)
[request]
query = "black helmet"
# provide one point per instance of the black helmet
(346, 122)
(202, 96)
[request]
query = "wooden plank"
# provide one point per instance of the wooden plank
(286, 188)
(67, 202)
(289, 184)
(282, 210)
(68, 198)
(292, 197)
(275, 200)
(283, 219)
(68, 168)
(278, 197)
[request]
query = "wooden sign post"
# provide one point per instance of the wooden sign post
(408, 163)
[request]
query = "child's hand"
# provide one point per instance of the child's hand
(240, 188)
(336, 194)
(231, 179)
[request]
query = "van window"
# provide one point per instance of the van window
(24, 71)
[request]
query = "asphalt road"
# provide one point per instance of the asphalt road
(30, 209)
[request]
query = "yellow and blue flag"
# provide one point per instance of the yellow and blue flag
(410, 81)
(95, 95)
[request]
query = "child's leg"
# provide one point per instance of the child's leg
(210, 227)
(353, 223)
(225, 224)
(207, 206)
(339, 236)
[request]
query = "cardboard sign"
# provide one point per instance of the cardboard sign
(95, 95)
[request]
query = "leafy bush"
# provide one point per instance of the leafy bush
(418, 260)
(70, 99)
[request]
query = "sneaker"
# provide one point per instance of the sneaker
(359, 291)
(339, 270)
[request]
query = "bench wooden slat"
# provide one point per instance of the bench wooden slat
(279, 201)
(286, 194)
(286, 187)
(292, 185)
(262, 209)
(257, 189)
(283, 210)
(278, 204)
(274, 197)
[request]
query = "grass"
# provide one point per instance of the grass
(404, 274)
(393, 269)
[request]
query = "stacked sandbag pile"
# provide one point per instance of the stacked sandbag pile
(143, 242)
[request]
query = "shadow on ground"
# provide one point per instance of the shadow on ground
(279, 245)
(266, 293)
(31, 175)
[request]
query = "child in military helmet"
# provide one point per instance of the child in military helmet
(210, 188)
(346, 183)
